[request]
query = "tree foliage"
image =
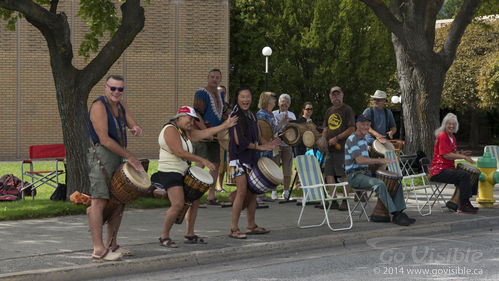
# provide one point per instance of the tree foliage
(73, 85)
(469, 83)
(316, 44)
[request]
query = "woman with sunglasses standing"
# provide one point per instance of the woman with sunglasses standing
(306, 117)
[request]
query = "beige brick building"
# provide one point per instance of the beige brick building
(168, 61)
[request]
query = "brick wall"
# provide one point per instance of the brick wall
(167, 62)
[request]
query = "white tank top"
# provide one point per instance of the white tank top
(169, 162)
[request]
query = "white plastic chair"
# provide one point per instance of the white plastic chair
(315, 190)
(409, 182)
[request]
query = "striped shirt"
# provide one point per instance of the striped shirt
(355, 146)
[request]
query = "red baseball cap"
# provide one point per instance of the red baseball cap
(186, 110)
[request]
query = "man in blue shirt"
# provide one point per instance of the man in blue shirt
(382, 121)
(209, 104)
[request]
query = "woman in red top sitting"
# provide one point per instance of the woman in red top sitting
(442, 167)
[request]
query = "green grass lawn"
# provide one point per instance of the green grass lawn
(42, 206)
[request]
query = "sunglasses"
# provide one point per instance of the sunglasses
(309, 109)
(120, 89)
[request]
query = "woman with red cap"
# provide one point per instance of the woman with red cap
(175, 156)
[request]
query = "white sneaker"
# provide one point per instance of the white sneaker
(274, 195)
(285, 195)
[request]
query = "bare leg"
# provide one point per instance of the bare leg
(286, 182)
(114, 225)
(330, 180)
(176, 196)
(237, 205)
(251, 209)
(190, 218)
(95, 221)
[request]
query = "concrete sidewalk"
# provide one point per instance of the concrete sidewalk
(60, 248)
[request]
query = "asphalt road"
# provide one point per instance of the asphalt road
(457, 256)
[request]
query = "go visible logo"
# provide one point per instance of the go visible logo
(334, 121)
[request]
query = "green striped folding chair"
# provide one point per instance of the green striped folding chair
(494, 152)
(411, 183)
(314, 190)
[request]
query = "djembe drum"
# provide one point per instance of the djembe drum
(392, 182)
(308, 139)
(474, 174)
(265, 176)
(265, 129)
(196, 182)
(127, 185)
(377, 150)
(291, 134)
(223, 139)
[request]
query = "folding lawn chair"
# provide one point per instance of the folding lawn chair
(437, 187)
(494, 152)
(414, 184)
(366, 194)
(314, 190)
(55, 152)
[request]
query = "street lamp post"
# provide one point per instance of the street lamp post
(267, 51)
(398, 99)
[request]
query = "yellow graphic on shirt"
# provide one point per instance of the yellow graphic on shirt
(334, 121)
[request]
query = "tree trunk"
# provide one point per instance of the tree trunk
(73, 111)
(421, 86)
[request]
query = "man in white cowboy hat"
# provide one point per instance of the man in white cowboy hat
(382, 121)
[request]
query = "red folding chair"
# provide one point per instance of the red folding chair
(56, 152)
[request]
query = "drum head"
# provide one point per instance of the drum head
(468, 168)
(270, 170)
(223, 139)
(140, 179)
(387, 174)
(291, 135)
(308, 138)
(265, 129)
(201, 175)
(382, 148)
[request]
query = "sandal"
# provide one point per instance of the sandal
(169, 243)
(107, 256)
(213, 202)
(122, 251)
(256, 230)
(236, 234)
(194, 239)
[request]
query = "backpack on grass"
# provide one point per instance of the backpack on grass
(10, 188)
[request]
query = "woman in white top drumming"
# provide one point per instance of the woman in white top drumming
(174, 159)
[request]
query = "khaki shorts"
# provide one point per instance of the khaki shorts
(285, 157)
(111, 161)
(208, 150)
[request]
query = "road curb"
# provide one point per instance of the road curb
(205, 257)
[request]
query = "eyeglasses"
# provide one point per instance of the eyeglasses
(120, 89)
(308, 109)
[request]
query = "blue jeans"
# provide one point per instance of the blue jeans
(394, 204)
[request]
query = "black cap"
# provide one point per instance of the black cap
(362, 118)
